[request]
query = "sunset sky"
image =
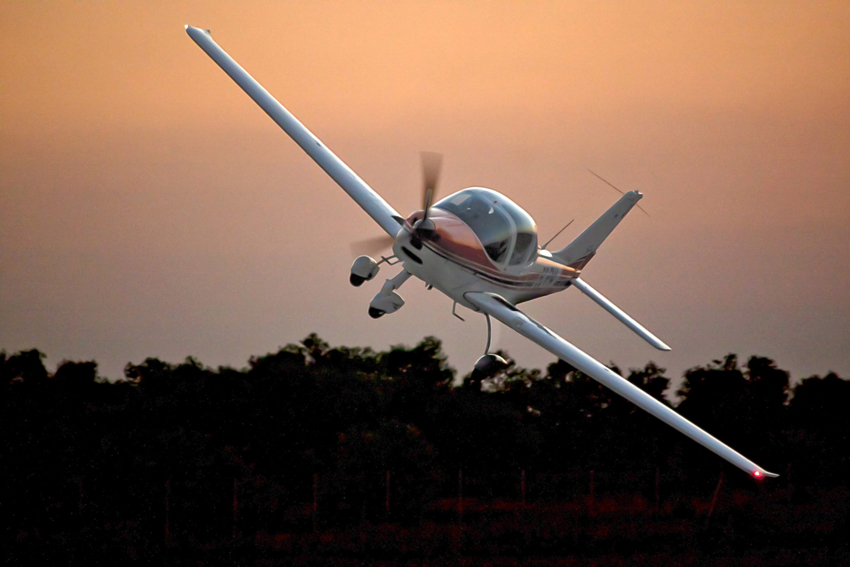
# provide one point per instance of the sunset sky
(149, 208)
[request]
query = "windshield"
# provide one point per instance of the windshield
(504, 229)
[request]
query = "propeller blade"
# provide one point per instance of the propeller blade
(371, 246)
(431, 163)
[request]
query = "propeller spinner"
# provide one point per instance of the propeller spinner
(423, 229)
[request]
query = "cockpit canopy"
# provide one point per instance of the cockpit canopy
(508, 233)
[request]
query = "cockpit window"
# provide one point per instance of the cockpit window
(504, 229)
(490, 225)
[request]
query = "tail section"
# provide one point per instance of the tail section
(579, 252)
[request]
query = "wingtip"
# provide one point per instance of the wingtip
(190, 30)
(760, 474)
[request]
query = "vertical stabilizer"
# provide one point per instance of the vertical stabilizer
(581, 250)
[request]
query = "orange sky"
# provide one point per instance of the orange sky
(149, 208)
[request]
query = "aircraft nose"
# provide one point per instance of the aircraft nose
(425, 229)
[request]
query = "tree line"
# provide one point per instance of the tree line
(75, 443)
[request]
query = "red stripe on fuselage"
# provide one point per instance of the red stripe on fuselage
(456, 242)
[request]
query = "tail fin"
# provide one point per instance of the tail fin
(579, 252)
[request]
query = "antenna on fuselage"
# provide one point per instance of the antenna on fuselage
(556, 235)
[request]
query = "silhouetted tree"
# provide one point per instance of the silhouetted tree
(25, 366)
(821, 447)
(89, 457)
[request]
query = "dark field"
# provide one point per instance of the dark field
(745, 528)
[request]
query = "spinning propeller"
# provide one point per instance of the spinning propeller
(423, 229)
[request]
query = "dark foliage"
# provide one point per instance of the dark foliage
(314, 438)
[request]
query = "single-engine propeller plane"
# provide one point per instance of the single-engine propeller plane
(480, 249)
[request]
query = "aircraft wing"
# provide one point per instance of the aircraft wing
(374, 205)
(502, 310)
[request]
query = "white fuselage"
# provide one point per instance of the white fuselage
(456, 277)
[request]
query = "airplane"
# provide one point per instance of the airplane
(480, 249)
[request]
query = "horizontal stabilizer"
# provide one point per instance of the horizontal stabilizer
(621, 315)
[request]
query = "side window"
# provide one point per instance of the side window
(524, 241)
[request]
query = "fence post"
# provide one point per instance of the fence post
(235, 507)
(657, 488)
(167, 495)
(523, 487)
(315, 501)
(714, 498)
(388, 496)
(460, 494)
(788, 480)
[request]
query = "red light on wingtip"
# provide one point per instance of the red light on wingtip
(757, 474)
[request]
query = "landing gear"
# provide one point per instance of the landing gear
(365, 268)
(387, 300)
(489, 364)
